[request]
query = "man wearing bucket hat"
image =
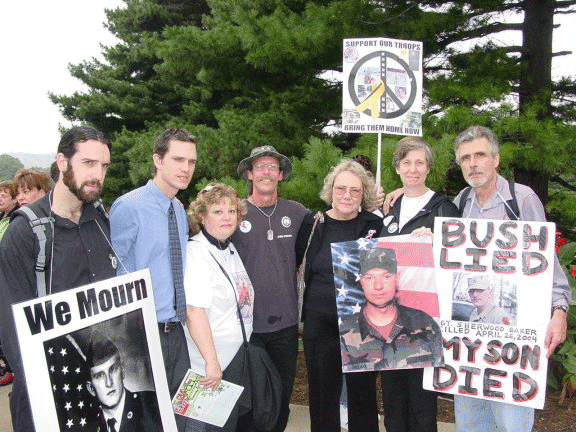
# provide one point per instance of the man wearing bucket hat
(385, 334)
(266, 243)
(481, 296)
(121, 409)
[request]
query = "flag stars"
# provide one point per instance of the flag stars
(68, 406)
(82, 422)
(77, 370)
(63, 352)
(342, 291)
(81, 404)
(52, 369)
(362, 243)
(70, 423)
(79, 387)
(65, 370)
(51, 351)
(344, 259)
(356, 308)
(66, 388)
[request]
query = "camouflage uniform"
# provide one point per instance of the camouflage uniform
(415, 342)
(493, 315)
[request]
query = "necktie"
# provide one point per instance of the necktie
(176, 265)
(111, 425)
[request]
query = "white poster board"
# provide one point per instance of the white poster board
(494, 283)
(382, 86)
(55, 334)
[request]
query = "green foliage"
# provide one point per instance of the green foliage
(8, 167)
(241, 74)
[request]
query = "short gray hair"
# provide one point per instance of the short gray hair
(408, 144)
(475, 132)
(367, 179)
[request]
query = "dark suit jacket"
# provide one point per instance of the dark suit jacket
(141, 414)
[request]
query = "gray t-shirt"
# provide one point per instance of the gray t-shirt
(271, 264)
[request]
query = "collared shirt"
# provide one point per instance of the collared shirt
(491, 315)
(531, 209)
(139, 230)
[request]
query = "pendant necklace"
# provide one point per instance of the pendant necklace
(270, 233)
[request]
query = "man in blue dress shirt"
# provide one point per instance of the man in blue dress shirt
(140, 236)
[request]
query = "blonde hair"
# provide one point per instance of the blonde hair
(213, 194)
(367, 179)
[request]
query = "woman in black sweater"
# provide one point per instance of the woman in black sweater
(348, 189)
(407, 406)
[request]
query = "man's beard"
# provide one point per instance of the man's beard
(86, 197)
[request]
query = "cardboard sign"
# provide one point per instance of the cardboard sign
(93, 347)
(494, 283)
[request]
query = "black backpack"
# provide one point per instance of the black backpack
(41, 225)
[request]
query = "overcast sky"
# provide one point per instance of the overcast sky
(40, 39)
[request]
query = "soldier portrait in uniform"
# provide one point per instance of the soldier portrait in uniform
(382, 333)
(486, 299)
(92, 371)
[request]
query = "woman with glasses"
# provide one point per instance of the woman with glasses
(348, 190)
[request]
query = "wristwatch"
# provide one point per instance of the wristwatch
(564, 308)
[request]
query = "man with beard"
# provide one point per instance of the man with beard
(76, 245)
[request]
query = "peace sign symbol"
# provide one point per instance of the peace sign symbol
(375, 104)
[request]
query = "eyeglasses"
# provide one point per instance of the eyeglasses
(354, 192)
(262, 167)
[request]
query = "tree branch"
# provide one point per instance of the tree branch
(562, 182)
(564, 4)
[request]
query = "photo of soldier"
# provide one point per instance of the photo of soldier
(101, 375)
(484, 299)
(382, 333)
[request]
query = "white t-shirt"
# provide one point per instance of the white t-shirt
(207, 287)
(411, 206)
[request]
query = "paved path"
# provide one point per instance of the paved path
(299, 420)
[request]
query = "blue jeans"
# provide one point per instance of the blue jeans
(480, 415)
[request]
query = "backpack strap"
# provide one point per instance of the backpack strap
(99, 205)
(463, 199)
(511, 206)
(42, 228)
(512, 209)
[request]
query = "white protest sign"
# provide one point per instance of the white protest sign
(56, 334)
(382, 86)
(494, 283)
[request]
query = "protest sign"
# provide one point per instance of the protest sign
(87, 350)
(494, 283)
(382, 86)
(387, 303)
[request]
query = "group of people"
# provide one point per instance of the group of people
(230, 266)
(27, 186)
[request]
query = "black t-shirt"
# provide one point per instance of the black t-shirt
(321, 294)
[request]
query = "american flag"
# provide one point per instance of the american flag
(75, 406)
(417, 284)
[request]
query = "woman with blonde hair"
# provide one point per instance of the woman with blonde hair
(348, 190)
(216, 286)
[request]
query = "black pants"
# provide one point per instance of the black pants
(324, 365)
(407, 406)
(282, 346)
(176, 362)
